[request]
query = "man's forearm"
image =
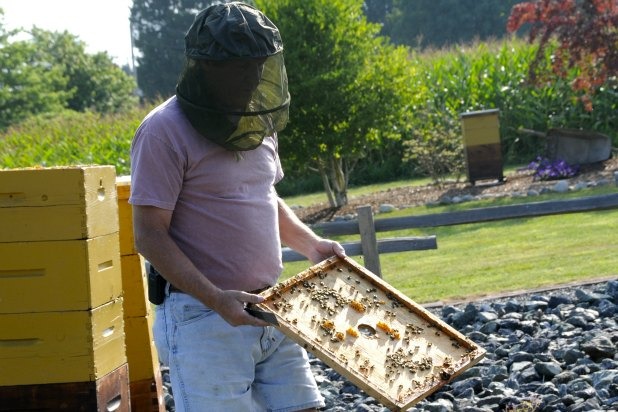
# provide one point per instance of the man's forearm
(294, 233)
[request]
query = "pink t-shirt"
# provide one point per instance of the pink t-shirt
(224, 204)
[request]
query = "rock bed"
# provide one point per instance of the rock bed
(551, 351)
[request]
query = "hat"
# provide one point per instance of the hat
(230, 31)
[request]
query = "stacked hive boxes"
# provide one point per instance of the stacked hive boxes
(481, 136)
(144, 373)
(62, 344)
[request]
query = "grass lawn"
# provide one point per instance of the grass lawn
(474, 260)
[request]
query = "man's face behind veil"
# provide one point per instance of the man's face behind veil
(231, 83)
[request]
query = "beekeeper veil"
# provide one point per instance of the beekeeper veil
(234, 88)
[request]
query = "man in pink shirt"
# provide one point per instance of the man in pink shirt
(208, 218)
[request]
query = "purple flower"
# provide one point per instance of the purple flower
(545, 169)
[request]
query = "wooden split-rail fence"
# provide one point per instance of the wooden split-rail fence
(370, 247)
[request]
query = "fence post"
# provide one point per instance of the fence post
(369, 241)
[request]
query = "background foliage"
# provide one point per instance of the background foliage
(587, 32)
(51, 71)
(159, 26)
(376, 111)
(439, 23)
(72, 138)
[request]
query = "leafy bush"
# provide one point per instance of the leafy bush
(436, 150)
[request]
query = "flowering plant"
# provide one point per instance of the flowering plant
(545, 169)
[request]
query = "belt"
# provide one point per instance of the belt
(174, 289)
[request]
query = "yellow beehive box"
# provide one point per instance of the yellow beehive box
(125, 216)
(482, 148)
(481, 127)
(59, 275)
(134, 285)
(141, 352)
(61, 203)
(56, 347)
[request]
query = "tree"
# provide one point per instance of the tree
(158, 28)
(438, 23)
(587, 36)
(50, 71)
(27, 85)
(349, 87)
(94, 81)
(377, 10)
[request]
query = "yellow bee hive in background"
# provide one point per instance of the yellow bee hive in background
(483, 152)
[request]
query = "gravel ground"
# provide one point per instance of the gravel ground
(546, 351)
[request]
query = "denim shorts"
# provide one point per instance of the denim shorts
(218, 367)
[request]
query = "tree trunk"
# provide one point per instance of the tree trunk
(327, 188)
(338, 181)
(335, 180)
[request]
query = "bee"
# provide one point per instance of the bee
(337, 337)
(353, 332)
(384, 327)
(358, 306)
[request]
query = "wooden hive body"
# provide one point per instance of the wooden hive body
(483, 153)
(59, 275)
(108, 393)
(144, 373)
(60, 347)
(38, 204)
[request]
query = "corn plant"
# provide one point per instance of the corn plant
(71, 138)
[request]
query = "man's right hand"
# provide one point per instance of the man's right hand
(230, 305)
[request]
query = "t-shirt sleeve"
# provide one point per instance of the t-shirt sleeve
(157, 171)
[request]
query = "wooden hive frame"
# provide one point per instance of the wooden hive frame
(378, 338)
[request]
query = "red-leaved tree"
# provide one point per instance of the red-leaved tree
(587, 36)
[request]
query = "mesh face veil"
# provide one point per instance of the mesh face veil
(234, 88)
